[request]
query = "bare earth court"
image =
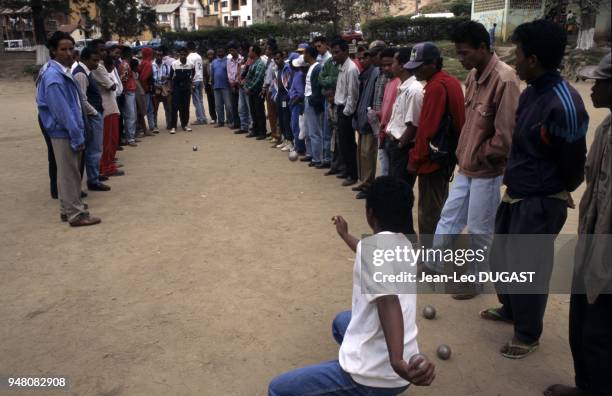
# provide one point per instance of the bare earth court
(212, 272)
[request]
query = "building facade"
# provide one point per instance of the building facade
(176, 15)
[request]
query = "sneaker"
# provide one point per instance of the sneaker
(155, 130)
(205, 122)
(288, 147)
(132, 144)
(172, 131)
(281, 145)
(187, 129)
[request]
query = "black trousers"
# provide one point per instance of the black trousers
(210, 96)
(234, 102)
(348, 146)
(284, 117)
(51, 160)
(122, 137)
(180, 105)
(590, 336)
(533, 215)
(258, 113)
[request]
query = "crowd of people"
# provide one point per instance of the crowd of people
(394, 109)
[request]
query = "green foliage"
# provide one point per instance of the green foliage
(287, 34)
(402, 29)
(461, 7)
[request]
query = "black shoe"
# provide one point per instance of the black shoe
(240, 132)
(98, 187)
(324, 165)
(260, 137)
(235, 127)
(306, 159)
(349, 181)
(83, 194)
(314, 164)
(332, 172)
(361, 195)
(220, 125)
(342, 175)
(251, 135)
(119, 148)
(102, 178)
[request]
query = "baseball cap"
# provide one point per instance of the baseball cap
(600, 72)
(302, 47)
(422, 53)
(377, 43)
(299, 62)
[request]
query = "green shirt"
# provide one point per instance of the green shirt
(255, 77)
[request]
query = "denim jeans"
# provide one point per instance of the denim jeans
(197, 97)
(93, 148)
(314, 132)
(223, 100)
(129, 115)
(327, 134)
(243, 110)
(471, 202)
(326, 378)
(151, 116)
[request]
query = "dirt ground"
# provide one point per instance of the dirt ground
(212, 272)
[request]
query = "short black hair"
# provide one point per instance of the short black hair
(388, 52)
(95, 42)
(543, 38)
(256, 48)
(312, 51)
(471, 33)
(320, 39)
(181, 49)
(191, 45)
(278, 51)
(232, 45)
(125, 50)
(87, 52)
(403, 54)
(391, 200)
(343, 45)
(55, 39)
(134, 64)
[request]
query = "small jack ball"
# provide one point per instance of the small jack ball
(195, 148)
(444, 352)
(429, 312)
(418, 356)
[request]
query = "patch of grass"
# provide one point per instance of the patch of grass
(453, 67)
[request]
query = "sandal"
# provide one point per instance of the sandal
(518, 351)
(494, 315)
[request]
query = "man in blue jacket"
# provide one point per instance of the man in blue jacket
(546, 164)
(60, 110)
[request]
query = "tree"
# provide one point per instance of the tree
(461, 7)
(41, 9)
(340, 13)
(125, 18)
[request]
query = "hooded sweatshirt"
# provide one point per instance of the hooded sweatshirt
(145, 69)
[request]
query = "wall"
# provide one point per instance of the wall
(521, 11)
(602, 24)
(489, 12)
(190, 6)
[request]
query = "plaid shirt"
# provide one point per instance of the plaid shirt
(379, 91)
(255, 77)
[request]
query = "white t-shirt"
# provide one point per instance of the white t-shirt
(308, 85)
(196, 60)
(364, 353)
(407, 107)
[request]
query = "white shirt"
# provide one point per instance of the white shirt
(323, 58)
(308, 86)
(196, 60)
(347, 87)
(115, 76)
(364, 353)
(407, 107)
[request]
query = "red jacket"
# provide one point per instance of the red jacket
(145, 69)
(434, 106)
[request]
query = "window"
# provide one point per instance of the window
(192, 20)
(249, 17)
(164, 17)
(216, 6)
(243, 2)
(224, 4)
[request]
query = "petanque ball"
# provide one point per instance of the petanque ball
(417, 356)
(429, 312)
(293, 156)
(444, 352)
(195, 148)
